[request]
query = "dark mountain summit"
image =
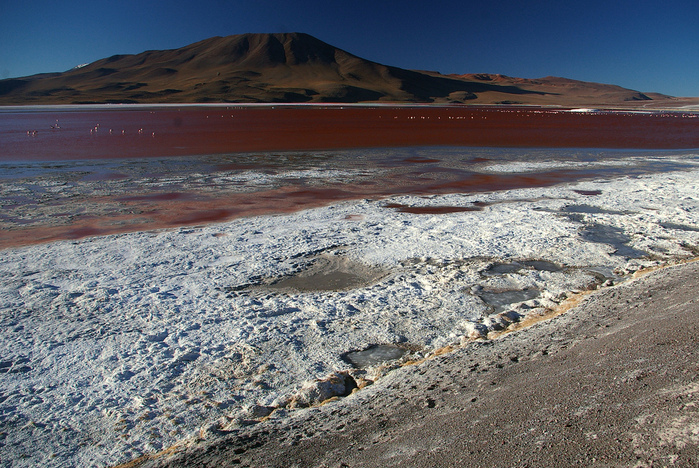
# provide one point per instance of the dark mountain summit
(288, 67)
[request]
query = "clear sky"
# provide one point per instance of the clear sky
(639, 44)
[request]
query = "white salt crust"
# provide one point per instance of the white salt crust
(115, 346)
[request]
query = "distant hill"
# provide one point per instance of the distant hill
(552, 89)
(289, 67)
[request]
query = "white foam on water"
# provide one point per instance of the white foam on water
(120, 345)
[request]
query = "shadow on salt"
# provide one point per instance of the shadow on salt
(679, 227)
(575, 212)
(610, 235)
(602, 233)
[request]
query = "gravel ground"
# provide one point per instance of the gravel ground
(612, 382)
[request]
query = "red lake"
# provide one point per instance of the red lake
(74, 171)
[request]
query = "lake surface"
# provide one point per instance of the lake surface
(72, 172)
(123, 131)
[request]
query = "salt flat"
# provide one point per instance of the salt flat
(120, 345)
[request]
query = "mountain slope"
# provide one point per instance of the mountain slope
(553, 87)
(288, 67)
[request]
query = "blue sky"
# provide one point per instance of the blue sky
(643, 45)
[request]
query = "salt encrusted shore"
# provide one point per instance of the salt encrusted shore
(612, 382)
(118, 346)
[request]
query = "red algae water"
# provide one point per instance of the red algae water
(137, 132)
(71, 172)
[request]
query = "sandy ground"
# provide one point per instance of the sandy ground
(612, 382)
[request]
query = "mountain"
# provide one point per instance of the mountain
(551, 89)
(288, 67)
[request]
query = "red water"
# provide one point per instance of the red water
(588, 193)
(138, 133)
(431, 209)
(161, 132)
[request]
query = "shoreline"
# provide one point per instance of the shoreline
(675, 103)
(428, 416)
(73, 200)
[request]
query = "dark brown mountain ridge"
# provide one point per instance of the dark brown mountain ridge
(288, 67)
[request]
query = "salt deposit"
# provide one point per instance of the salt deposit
(119, 345)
